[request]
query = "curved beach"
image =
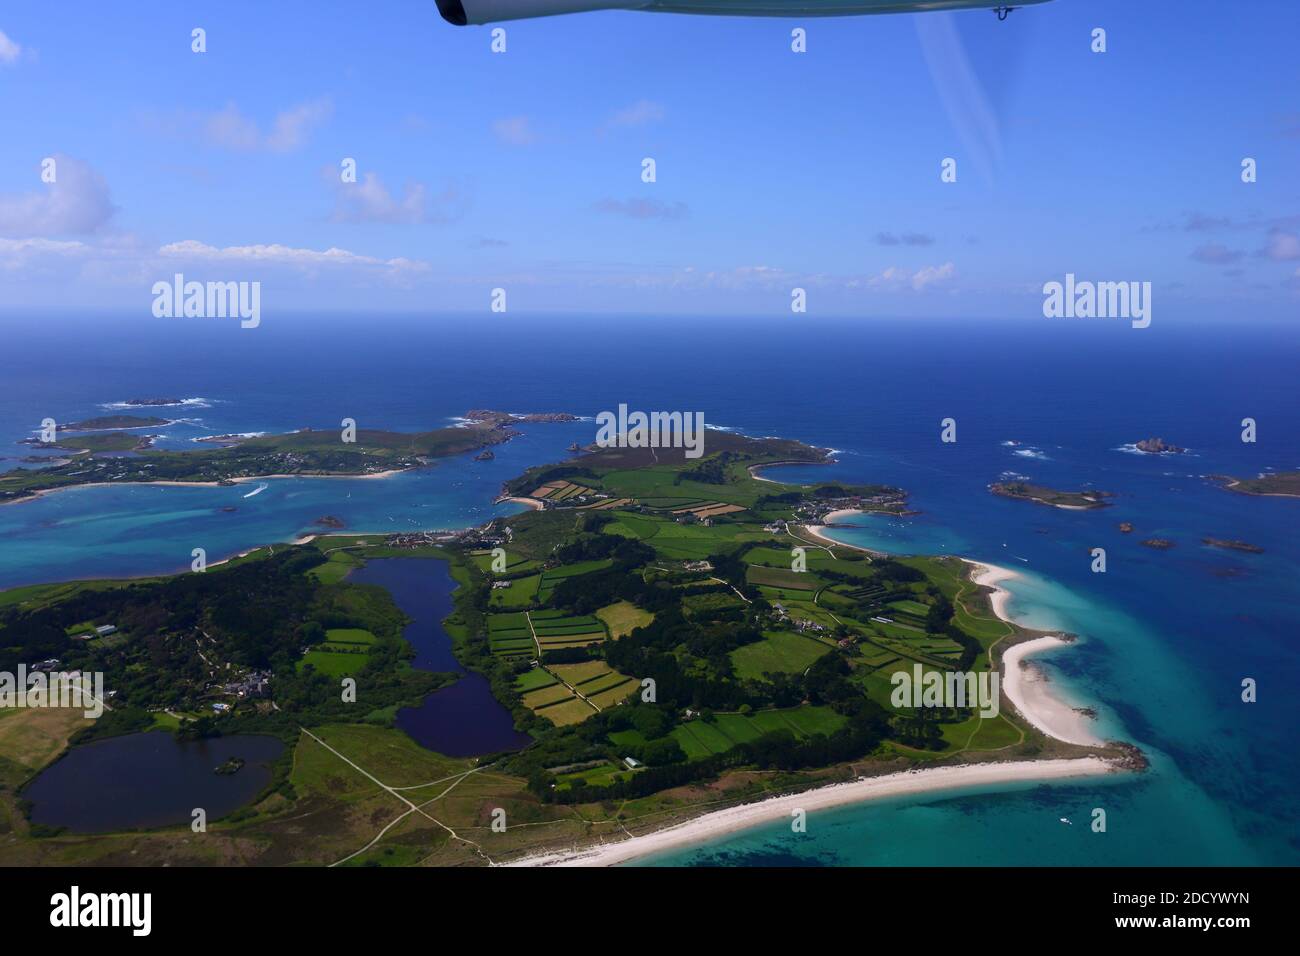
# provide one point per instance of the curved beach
(722, 822)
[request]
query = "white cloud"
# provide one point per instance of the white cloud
(276, 254)
(1282, 246)
(515, 131)
(77, 202)
(9, 50)
(371, 201)
(894, 278)
(229, 128)
(932, 274)
(638, 114)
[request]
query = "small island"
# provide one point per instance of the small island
(1233, 545)
(114, 422)
(1126, 527)
(233, 765)
(153, 402)
(330, 521)
(1070, 500)
(485, 455)
(1159, 544)
(1158, 446)
(502, 419)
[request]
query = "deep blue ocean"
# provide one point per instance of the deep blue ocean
(1166, 636)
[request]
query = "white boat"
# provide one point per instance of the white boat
(1066, 820)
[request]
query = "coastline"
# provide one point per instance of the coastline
(527, 502)
(754, 469)
(243, 479)
(720, 823)
(1024, 686)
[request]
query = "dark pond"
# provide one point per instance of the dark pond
(463, 720)
(150, 780)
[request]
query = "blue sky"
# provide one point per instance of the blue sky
(775, 170)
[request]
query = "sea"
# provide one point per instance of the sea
(1165, 637)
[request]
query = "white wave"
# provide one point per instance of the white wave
(189, 402)
(258, 490)
(208, 439)
(1035, 453)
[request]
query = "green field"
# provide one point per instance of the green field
(782, 652)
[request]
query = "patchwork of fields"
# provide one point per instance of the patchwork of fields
(570, 693)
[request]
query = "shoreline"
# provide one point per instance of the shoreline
(165, 483)
(533, 503)
(753, 469)
(1026, 686)
(721, 823)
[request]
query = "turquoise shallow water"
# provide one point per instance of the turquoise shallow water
(1157, 817)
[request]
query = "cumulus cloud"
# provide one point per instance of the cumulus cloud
(77, 202)
(515, 131)
(642, 208)
(371, 201)
(9, 50)
(894, 278)
(229, 128)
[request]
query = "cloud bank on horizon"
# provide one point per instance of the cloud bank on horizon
(616, 162)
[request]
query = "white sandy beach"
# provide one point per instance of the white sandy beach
(533, 503)
(714, 825)
(1024, 684)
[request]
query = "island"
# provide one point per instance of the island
(1159, 544)
(305, 452)
(1070, 500)
(1233, 545)
(113, 422)
(1284, 484)
(664, 633)
(1126, 527)
(507, 418)
(1158, 446)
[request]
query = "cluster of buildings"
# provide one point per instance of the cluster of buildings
(253, 684)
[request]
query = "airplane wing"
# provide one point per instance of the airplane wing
(462, 12)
